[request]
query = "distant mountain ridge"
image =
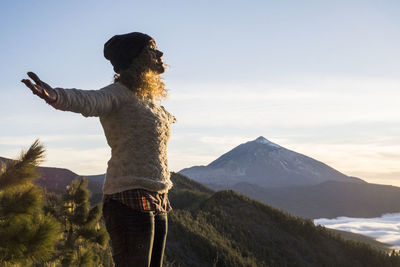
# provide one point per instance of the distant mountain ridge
(57, 179)
(266, 164)
(329, 199)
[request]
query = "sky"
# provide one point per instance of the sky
(317, 77)
(385, 229)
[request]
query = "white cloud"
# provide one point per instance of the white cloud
(385, 229)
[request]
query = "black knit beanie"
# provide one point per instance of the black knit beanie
(122, 49)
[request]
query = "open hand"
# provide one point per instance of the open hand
(40, 88)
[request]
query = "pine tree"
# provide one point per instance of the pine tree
(27, 234)
(85, 236)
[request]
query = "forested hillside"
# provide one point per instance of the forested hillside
(228, 229)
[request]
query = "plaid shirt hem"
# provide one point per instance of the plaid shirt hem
(141, 200)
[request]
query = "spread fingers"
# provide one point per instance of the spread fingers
(31, 86)
(34, 77)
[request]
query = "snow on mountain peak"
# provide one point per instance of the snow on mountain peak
(265, 141)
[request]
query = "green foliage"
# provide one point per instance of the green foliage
(83, 230)
(48, 231)
(186, 193)
(187, 199)
(27, 234)
(14, 201)
(23, 170)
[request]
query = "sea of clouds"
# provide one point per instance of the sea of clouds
(385, 229)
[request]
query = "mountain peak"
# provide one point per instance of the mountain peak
(263, 140)
(264, 163)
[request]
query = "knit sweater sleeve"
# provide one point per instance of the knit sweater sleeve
(90, 103)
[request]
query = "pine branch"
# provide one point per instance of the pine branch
(102, 236)
(86, 259)
(35, 154)
(82, 193)
(24, 201)
(23, 170)
(94, 215)
(27, 234)
(41, 244)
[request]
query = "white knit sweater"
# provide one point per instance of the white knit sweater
(137, 132)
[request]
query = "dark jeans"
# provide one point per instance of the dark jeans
(137, 238)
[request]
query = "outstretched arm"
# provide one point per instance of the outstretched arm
(87, 102)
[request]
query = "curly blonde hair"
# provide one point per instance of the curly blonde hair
(147, 84)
